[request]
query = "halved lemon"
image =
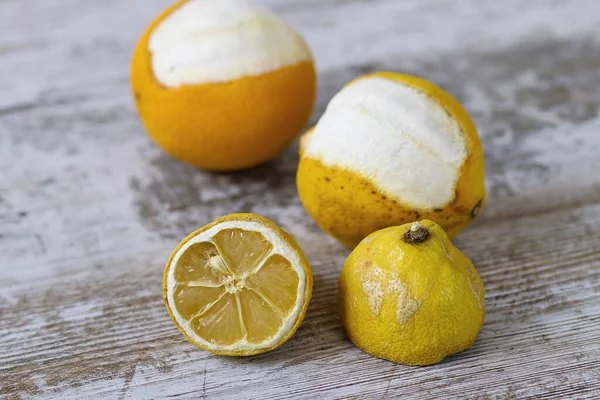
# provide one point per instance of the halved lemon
(239, 286)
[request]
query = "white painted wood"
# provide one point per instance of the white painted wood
(90, 208)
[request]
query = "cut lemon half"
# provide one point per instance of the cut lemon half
(239, 286)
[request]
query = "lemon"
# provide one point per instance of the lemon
(408, 295)
(222, 85)
(239, 286)
(391, 149)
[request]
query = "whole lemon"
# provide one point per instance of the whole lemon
(391, 149)
(408, 295)
(221, 85)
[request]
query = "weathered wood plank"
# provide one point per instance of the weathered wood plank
(541, 318)
(90, 209)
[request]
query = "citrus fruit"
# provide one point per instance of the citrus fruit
(408, 295)
(238, 286)
(391, 149)
(221, 85)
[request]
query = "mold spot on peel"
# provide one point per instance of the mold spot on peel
(372, 287)
(220, 41)
(406, 306)
(395, 286)
(374, 293)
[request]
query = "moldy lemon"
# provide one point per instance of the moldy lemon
(409, 296)
(221, 85)
(391, 149)
(238, 286)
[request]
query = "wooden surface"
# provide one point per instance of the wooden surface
(90, 209)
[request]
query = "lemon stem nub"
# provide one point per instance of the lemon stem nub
(416, 234)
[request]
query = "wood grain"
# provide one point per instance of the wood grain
(90, 208)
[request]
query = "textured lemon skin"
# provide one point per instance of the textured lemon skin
(437, 276)
(227, 125)
(349, 207)
(286, 238)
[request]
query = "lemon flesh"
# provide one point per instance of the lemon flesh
(235, 292)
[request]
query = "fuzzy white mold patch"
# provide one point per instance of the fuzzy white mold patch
(372, 289)
(406, 306)
(206, 41)
(395, 136)
(375, 288)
